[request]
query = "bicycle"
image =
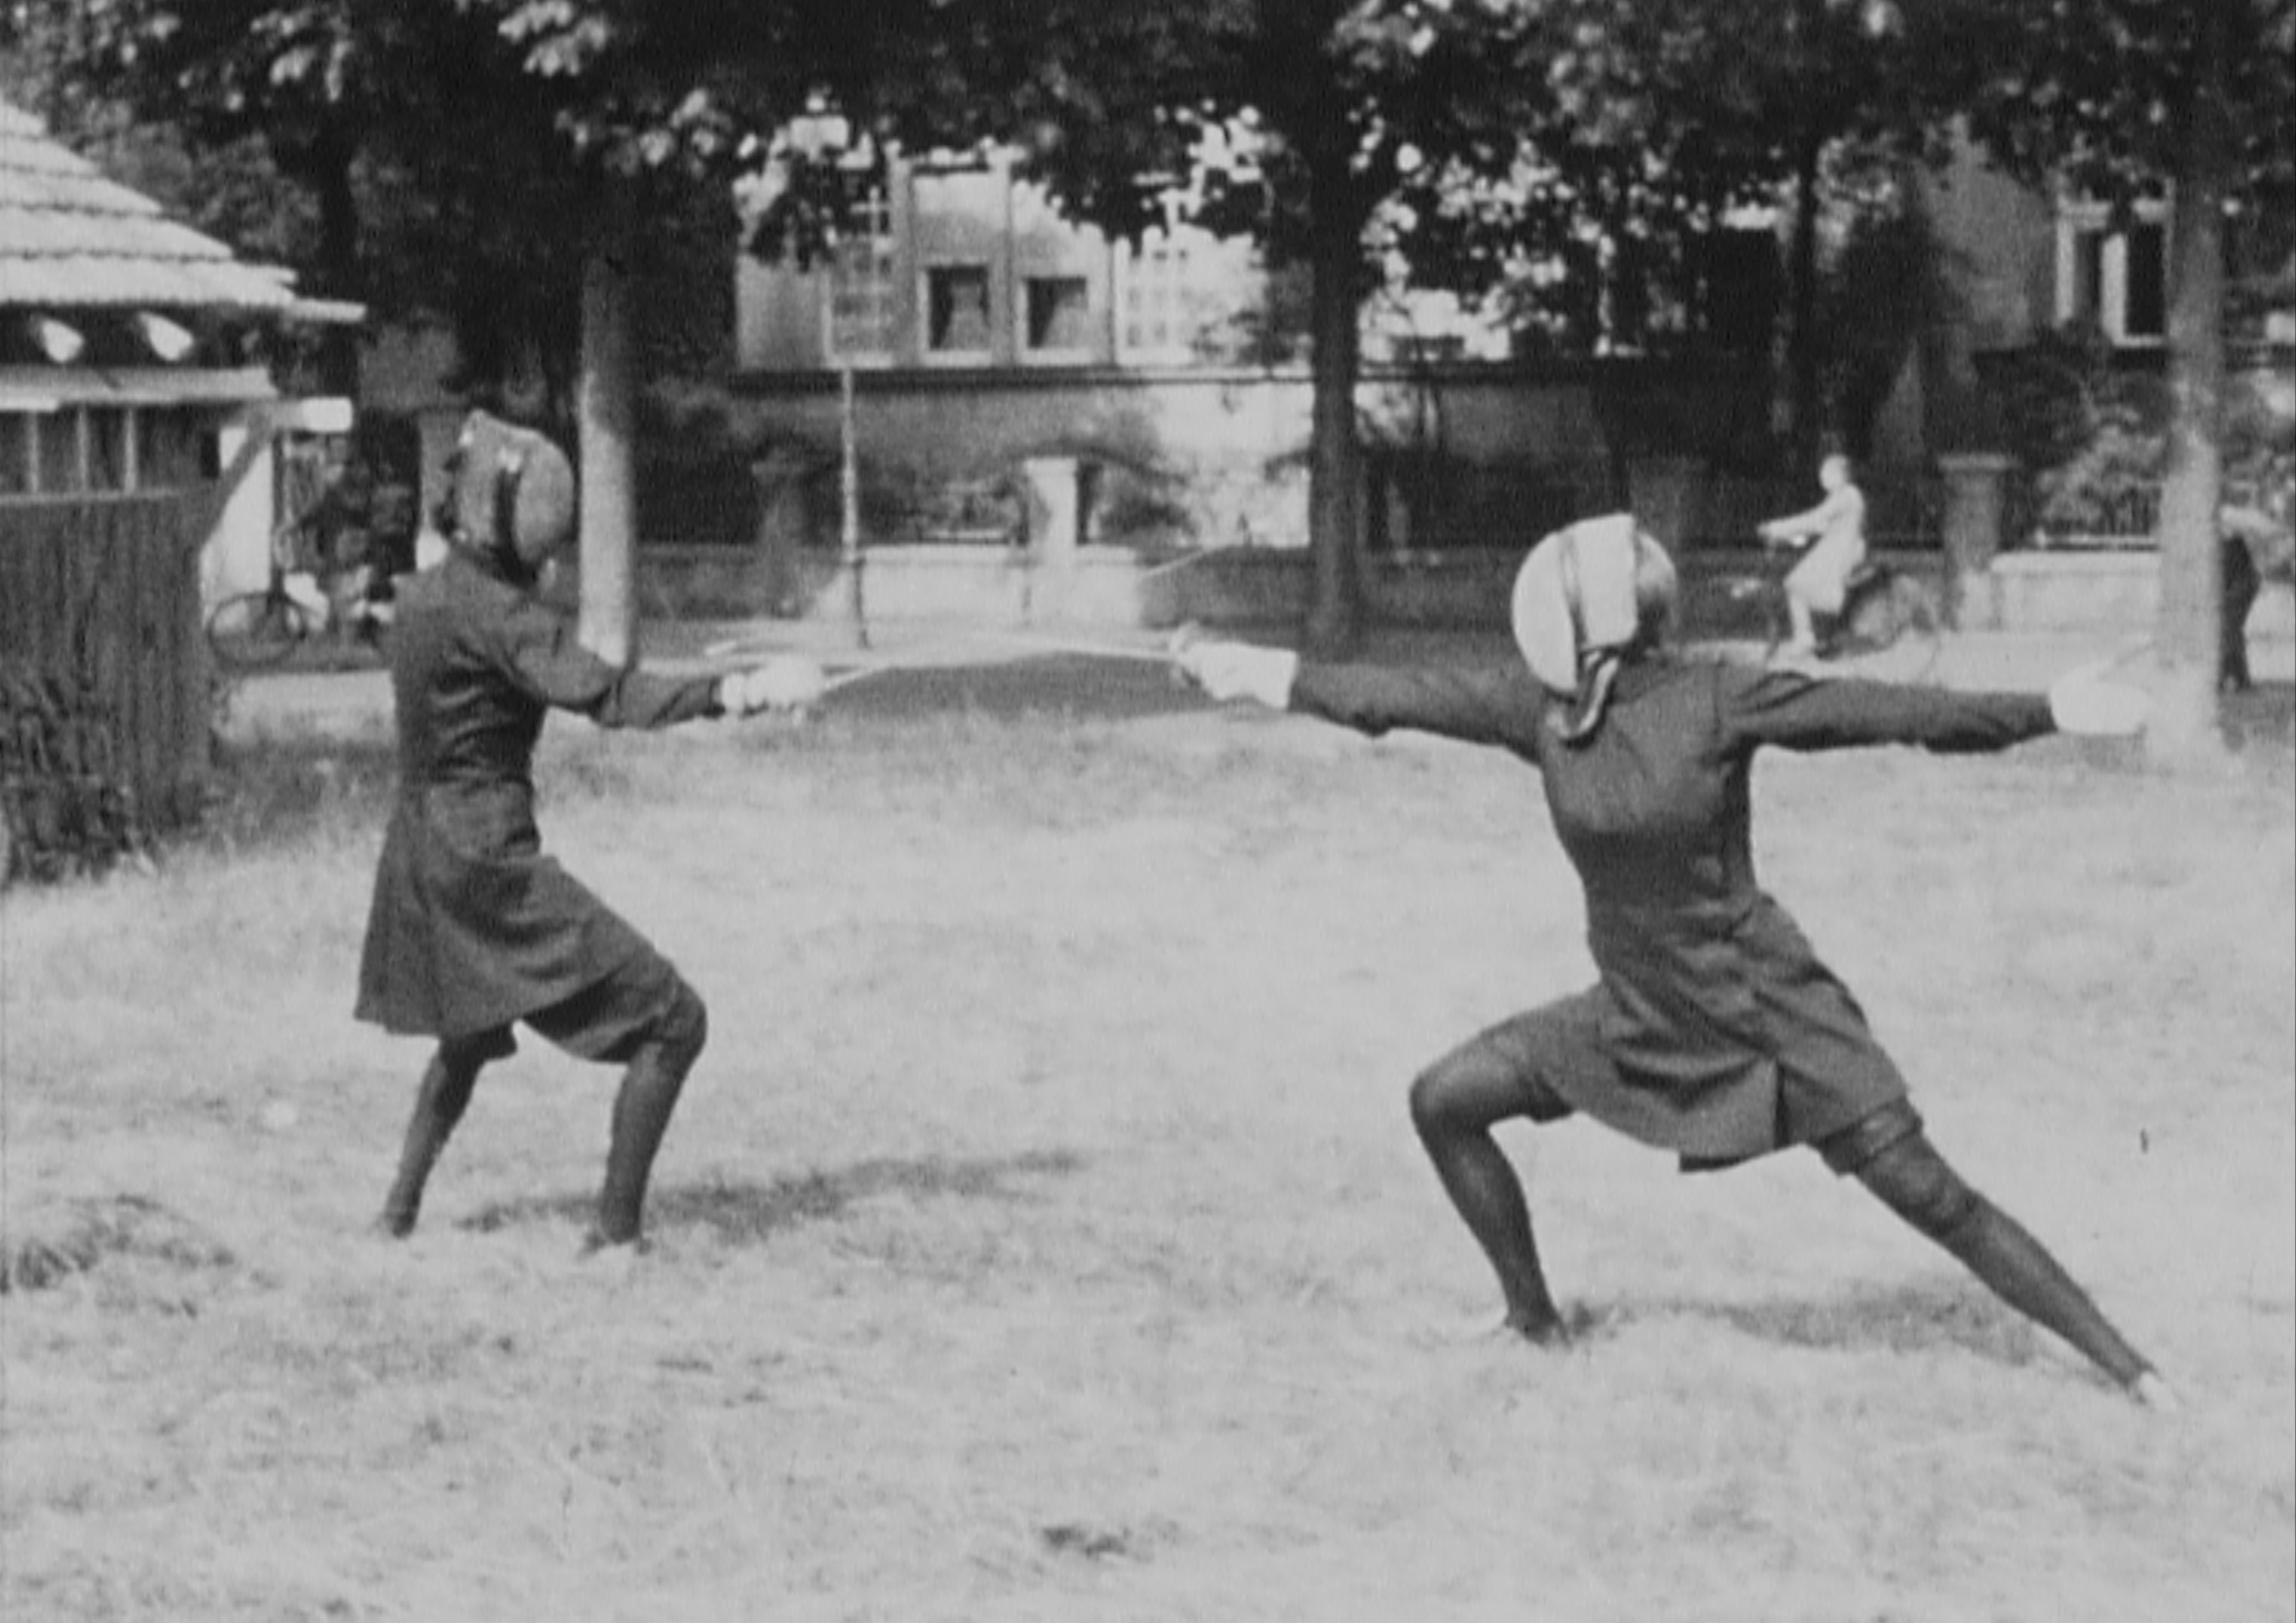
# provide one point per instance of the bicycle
(258, 629)
(255, 630)
(1884, 610)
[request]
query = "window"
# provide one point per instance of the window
(956, 311)
(167, 449)
(861, 285)
(2114, 280)
(1155, 302)
(19, 431)
(58, 440)
(1058, 315)
(108, 468)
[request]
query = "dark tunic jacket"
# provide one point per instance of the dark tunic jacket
(471, 926)
(1728, 1037)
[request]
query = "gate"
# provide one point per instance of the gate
(100, 650)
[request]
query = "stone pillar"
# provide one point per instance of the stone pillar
(1976, 496)
(779, 478)
(1667, 493)
(1055, 525)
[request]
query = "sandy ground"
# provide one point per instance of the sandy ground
(1043, 1238)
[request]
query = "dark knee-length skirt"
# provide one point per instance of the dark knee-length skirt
(460, 942)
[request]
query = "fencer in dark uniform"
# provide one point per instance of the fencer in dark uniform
(1714, 1031)
(472, 930)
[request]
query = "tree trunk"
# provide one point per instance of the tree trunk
(1802, 406)
(2188, 637)
(605, 413)
(1335, 471)
(339, 267)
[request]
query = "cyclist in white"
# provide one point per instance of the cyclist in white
(1835, 533)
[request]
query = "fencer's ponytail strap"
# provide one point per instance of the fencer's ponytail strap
(1593, 702)
(510, 467)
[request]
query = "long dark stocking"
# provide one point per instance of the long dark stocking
(642, 1112)
(439, 1106)
(1453, 1107)
(1914, 1181)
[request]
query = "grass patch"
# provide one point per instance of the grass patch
(1042, 1232)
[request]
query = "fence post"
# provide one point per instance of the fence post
(1976, 485)
(1055, 521)
(779, 479)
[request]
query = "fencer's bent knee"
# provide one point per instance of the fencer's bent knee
(1427, 1100)
(1916, 1182)
(683, 1027)
(1441, 1098)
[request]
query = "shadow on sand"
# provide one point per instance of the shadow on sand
(744, 1212)
(1910, 1316)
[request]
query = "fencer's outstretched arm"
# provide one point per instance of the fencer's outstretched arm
(1475, 706)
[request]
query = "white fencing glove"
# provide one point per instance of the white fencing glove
(2083, 702)
(1233, 670)
(787, 682)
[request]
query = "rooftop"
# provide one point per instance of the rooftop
(72, 239)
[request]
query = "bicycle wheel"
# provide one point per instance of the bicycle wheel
(257, 630)
(1893, 629)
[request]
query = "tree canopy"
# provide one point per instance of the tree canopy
(2125, 99)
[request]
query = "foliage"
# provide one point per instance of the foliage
(2127, 98)
(66, 807)
(2096, 92)
(2092, 436)
(1626, 136)
(428, 176)
(231, 190)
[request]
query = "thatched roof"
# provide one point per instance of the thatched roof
(71, 239)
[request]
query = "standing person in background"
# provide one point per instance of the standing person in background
(472, 928)
(1834, 533)
(1714, 1031)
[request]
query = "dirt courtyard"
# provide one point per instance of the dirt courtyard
(1042, 1236)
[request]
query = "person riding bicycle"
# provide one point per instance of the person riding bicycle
(1834, 534)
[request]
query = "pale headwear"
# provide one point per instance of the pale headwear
(1588, 595)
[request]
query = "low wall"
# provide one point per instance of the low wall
(1104, 585)
(2054, 592)
(1005, 585)
(2093, 591)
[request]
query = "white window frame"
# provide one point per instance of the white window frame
(1159, 268)
(2078, 218)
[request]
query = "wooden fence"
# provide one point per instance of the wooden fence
(102, 595)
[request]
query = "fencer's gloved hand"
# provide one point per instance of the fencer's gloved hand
(787, 682)
(2084, 702)
(1231, 670)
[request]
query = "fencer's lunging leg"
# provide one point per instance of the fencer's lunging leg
(649, 1092)
(1916, 1182)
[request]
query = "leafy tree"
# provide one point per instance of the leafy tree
(1340, 98)
(232, 192)
(2128, 99)
(432, 139)
(1626, 132)
(433, 174)
(649, 99)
